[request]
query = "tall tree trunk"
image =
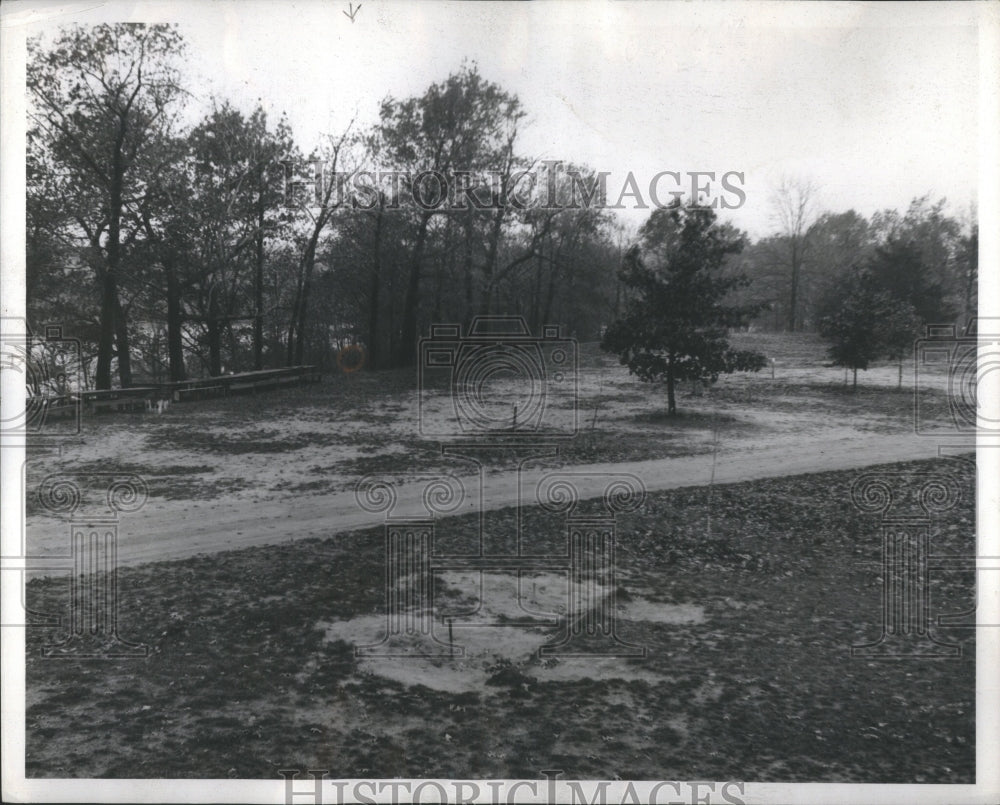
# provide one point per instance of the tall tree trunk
(258, 292)
(493, 248)
(373, 297)
(571, 313)
(407, 349)
(468, 267)
(214, 348)
(293, 320)
(175, 345)
(154, 359)
(122, 340)
(300, 339)
(671, 401)
(214, 335)
(971, 279)
(235, 362)
(536, 325)
(300, 308)
(437, 311)
(106, 334)
(793, 300)
(550, 292)
(390, 323)
(112, 303)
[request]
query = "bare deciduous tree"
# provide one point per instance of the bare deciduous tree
(793, 210)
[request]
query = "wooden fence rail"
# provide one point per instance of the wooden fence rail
(148, 397)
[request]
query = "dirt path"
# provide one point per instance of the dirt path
(173, 529)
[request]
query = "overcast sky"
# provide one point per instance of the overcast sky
(875, 103)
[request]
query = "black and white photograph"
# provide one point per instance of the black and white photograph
(552, 402)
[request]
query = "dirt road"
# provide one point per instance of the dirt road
(173, 529)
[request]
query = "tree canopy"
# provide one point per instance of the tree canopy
(174, 244)
(102, 102)
(677, 318)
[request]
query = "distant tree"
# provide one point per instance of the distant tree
(793, 203)
(900, 326)
(101, 100)
(899, 269)
(969, 258)
(207, 227)
(468, 125)
(860, 320)
(314, 219)
(911, 293)
(839, 242)
(931, 264)
(677, 318)
(58, 276)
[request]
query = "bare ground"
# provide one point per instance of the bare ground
(747, 625)
(746, 587)
(257, 470)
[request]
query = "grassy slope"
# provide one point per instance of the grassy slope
(241, 683)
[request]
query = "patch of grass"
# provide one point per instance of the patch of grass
(689, 419)
(191, 489)
(834, 401)
(153, 470)
(260, 440)
(800, 349)
(387, 464)
(610, 446)
(171, 481)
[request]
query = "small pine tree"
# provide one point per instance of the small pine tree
(857, 324)
(911, 296)
(676, 323)
(899, 325)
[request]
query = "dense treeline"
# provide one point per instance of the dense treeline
(176, 250)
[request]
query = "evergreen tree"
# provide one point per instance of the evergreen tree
(860, 324)
(676, 322)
